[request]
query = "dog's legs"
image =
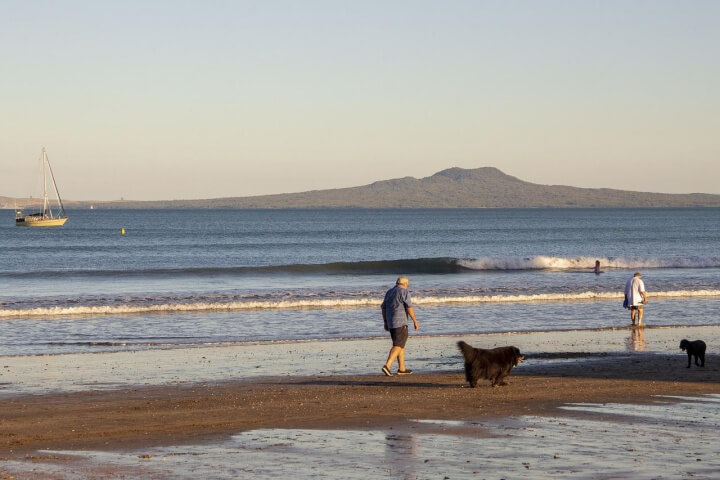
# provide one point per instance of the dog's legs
(700, 358)
(689, 359)
(498, 380)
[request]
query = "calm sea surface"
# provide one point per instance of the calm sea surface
(199, 277)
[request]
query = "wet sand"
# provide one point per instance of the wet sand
(45, 374)
(273, 409)
(129, 419)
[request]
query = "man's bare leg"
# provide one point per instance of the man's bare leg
(640, 315)
(401, 360)
(632, 315)
(395, 352)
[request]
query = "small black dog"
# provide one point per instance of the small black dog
(694, 349)
(494, 364)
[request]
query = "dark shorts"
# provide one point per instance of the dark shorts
(399, 336)
(636, 307)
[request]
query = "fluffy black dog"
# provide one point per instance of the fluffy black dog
(494, 364)
(694, 349)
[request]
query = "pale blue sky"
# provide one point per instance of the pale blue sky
(173, 99)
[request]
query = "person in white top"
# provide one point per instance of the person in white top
(636, 297)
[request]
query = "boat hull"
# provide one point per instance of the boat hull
(40, 222)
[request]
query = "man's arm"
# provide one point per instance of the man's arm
(411, 314)
(384, 318)
(643, 292)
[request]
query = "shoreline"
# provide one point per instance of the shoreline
(126, 370)
(193, 413)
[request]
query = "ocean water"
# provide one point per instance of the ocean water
(214, 277)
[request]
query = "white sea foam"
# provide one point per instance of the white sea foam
(571, 263)
(332, 303)
(568, 297)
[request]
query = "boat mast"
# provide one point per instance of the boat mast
(43, 159)
(57, 192)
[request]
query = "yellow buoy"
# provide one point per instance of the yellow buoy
(122, 231)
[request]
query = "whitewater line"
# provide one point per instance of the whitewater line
(334, 303)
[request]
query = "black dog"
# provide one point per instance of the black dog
(493, 365)
(694, 349)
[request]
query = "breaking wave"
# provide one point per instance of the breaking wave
(440, 265)
(542, 262)
(369, 301)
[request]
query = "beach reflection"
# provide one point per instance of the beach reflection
(636, 342)
(401, 452)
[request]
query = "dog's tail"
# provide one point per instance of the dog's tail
(467, 351)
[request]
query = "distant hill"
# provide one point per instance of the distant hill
(485, 187)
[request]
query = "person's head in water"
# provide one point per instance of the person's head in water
(403, 281)
(638, 275)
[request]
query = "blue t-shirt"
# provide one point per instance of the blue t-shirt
(397, 299)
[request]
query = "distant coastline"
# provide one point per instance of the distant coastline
(453, 188)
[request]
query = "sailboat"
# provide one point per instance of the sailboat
(46, 217)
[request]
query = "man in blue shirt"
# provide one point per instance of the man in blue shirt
(396, 308)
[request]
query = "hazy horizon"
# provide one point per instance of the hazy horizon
(165, 101)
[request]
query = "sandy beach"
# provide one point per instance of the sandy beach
(46, 435)
(193, 413)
